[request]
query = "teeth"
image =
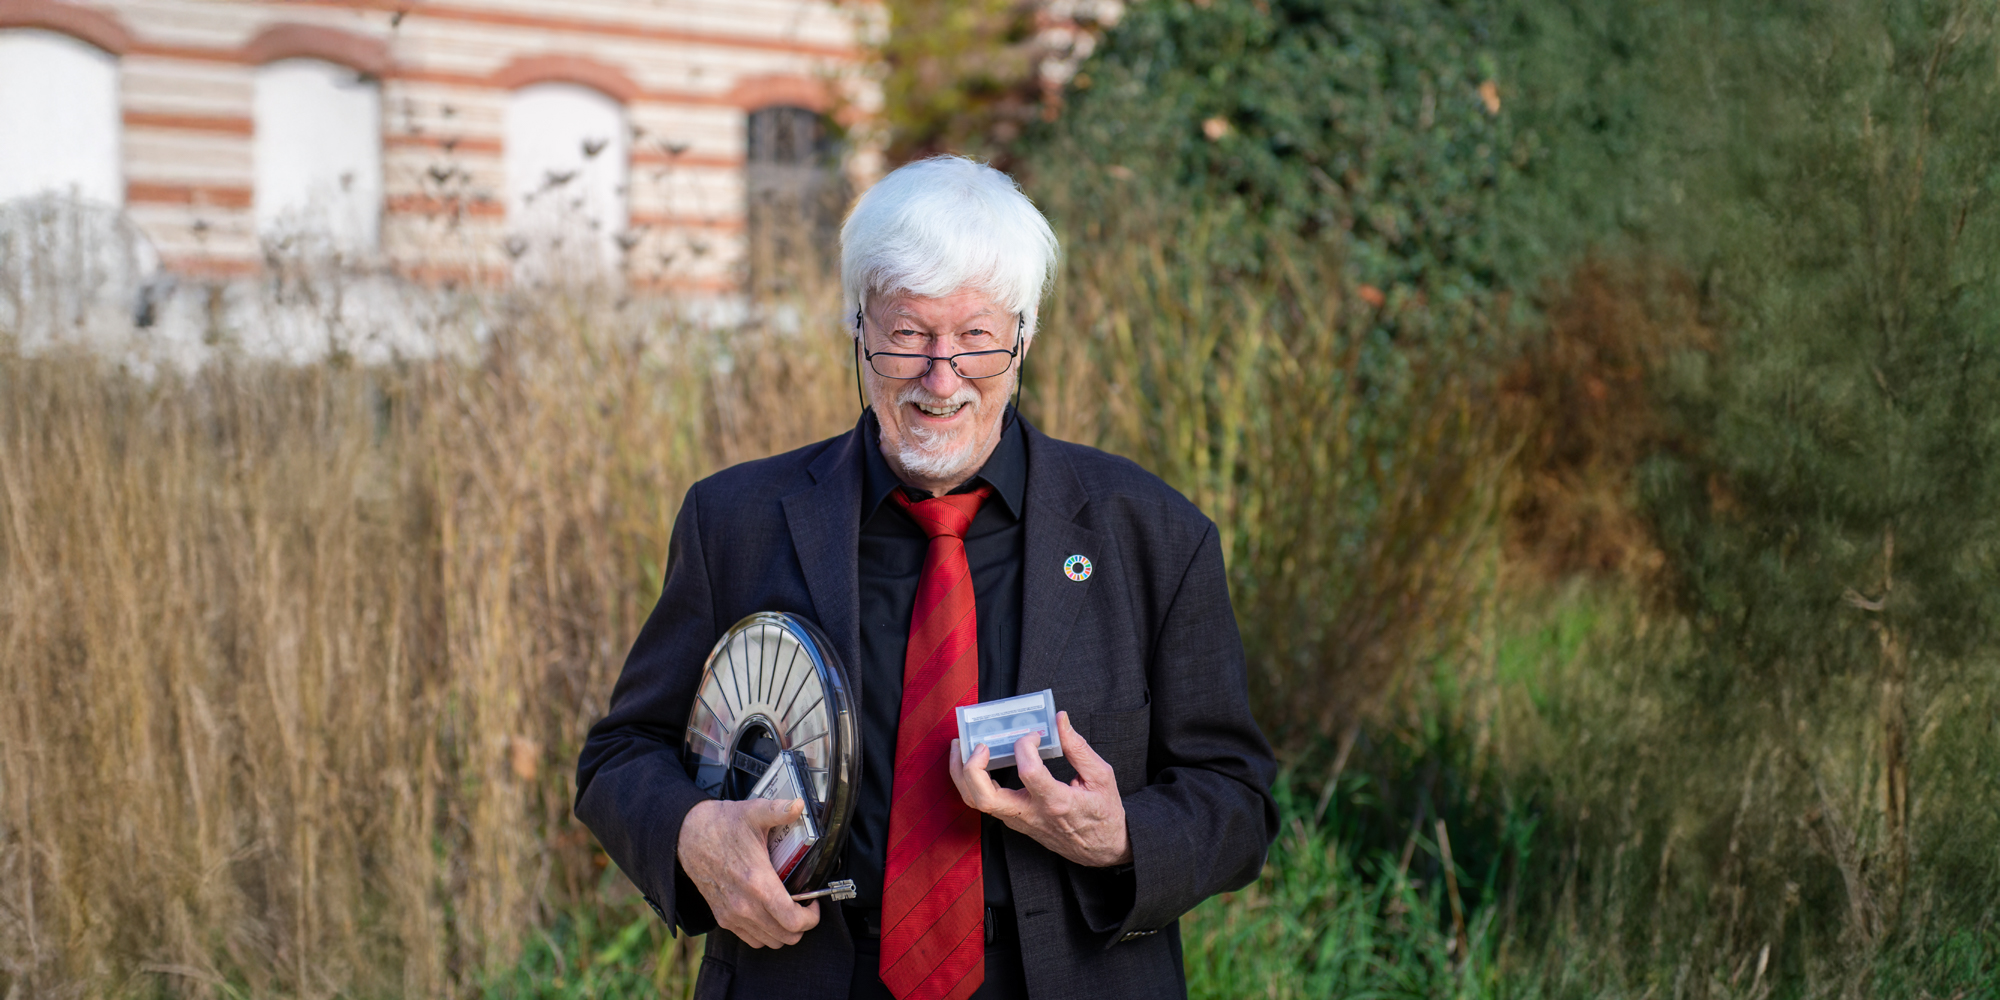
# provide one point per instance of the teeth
(940, 411)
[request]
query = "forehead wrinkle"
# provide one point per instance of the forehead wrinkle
(902, 311)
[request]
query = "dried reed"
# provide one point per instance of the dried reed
(294, 661)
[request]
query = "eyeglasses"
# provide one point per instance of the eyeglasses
(968, 365)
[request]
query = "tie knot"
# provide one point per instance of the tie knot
(943, 516)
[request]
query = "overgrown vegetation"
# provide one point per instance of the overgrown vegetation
(1596, 400)
(1715, 281)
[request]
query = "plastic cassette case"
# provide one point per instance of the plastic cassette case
(784, 781)
(998, 724)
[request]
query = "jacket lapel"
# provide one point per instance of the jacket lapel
(825, 521)
(1050, 600)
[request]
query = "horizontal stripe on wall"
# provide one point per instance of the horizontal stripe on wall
(420, 204)
(496, 275)
(200, 195)
(586, 26)
(217, 124)
(447, 145)
(423, 204)
(488, 146)
(211, 266)
(668, 220)
(471, 81)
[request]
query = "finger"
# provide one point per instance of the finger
(794, 919)
(989, 796)
(752, 924)
(1035, 776)
(782, 918)
(959, 779)
(757, 936)
(757, 913)
(975, 785)
(1026, 747)
(1089, 766)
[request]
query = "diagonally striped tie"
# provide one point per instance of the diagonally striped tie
(933, 896)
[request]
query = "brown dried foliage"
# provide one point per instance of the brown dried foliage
(1582, 397)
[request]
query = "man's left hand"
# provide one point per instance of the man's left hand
(1083, 821)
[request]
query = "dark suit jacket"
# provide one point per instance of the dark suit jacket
(1144, 655)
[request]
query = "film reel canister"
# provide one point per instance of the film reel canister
(773, 683)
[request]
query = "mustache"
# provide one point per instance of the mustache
(916, 393)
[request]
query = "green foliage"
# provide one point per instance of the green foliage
(1851, 432)
(1834, 539)
(1372, 124)
(1773, 780)
(960, 77)
(1275, 255)
(1322, 922)
(602, 953)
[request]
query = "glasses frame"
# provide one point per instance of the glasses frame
(1013, 354)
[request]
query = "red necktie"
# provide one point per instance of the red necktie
(933, 896)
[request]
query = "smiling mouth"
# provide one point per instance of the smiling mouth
(939, 410)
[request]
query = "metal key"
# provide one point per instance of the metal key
(836, 891)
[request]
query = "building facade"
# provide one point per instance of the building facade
(450, 139)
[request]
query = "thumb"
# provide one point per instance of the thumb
(767, 813)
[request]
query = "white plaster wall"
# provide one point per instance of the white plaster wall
(59, 117)
(318, 152)
(559, 195)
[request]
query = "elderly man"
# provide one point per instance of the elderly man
(1088, 575)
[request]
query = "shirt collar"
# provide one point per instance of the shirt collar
(1006, 470)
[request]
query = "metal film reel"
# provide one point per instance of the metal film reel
(773, 682)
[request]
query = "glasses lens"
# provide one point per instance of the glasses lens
(984, 364)
(899, 365)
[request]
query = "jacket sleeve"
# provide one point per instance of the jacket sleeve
(1204, 819)
(633, 789)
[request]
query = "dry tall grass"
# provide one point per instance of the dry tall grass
(294, 661)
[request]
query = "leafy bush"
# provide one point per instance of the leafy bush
(1375, 121)
(1759, 243)
(1278, 296)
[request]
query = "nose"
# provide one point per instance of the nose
(942, 380)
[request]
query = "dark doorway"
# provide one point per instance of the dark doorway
(796, 196)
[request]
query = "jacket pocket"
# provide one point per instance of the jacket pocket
(713, 982)
(1121, 739)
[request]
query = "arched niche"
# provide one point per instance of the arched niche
(567, 164)
(59, 112)
(318, 154)
(794, 197)
(361, 53)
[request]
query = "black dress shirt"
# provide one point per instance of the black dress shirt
(891, 561)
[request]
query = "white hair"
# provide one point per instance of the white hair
(942, 225)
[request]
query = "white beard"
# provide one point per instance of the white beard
(933, 454)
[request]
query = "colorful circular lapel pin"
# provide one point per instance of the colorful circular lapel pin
(1077, 568)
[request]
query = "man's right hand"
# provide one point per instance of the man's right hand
(724, 849)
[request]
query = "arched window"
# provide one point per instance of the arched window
(59, 117)
(795, 196)
(566, 158)
(318, 153)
